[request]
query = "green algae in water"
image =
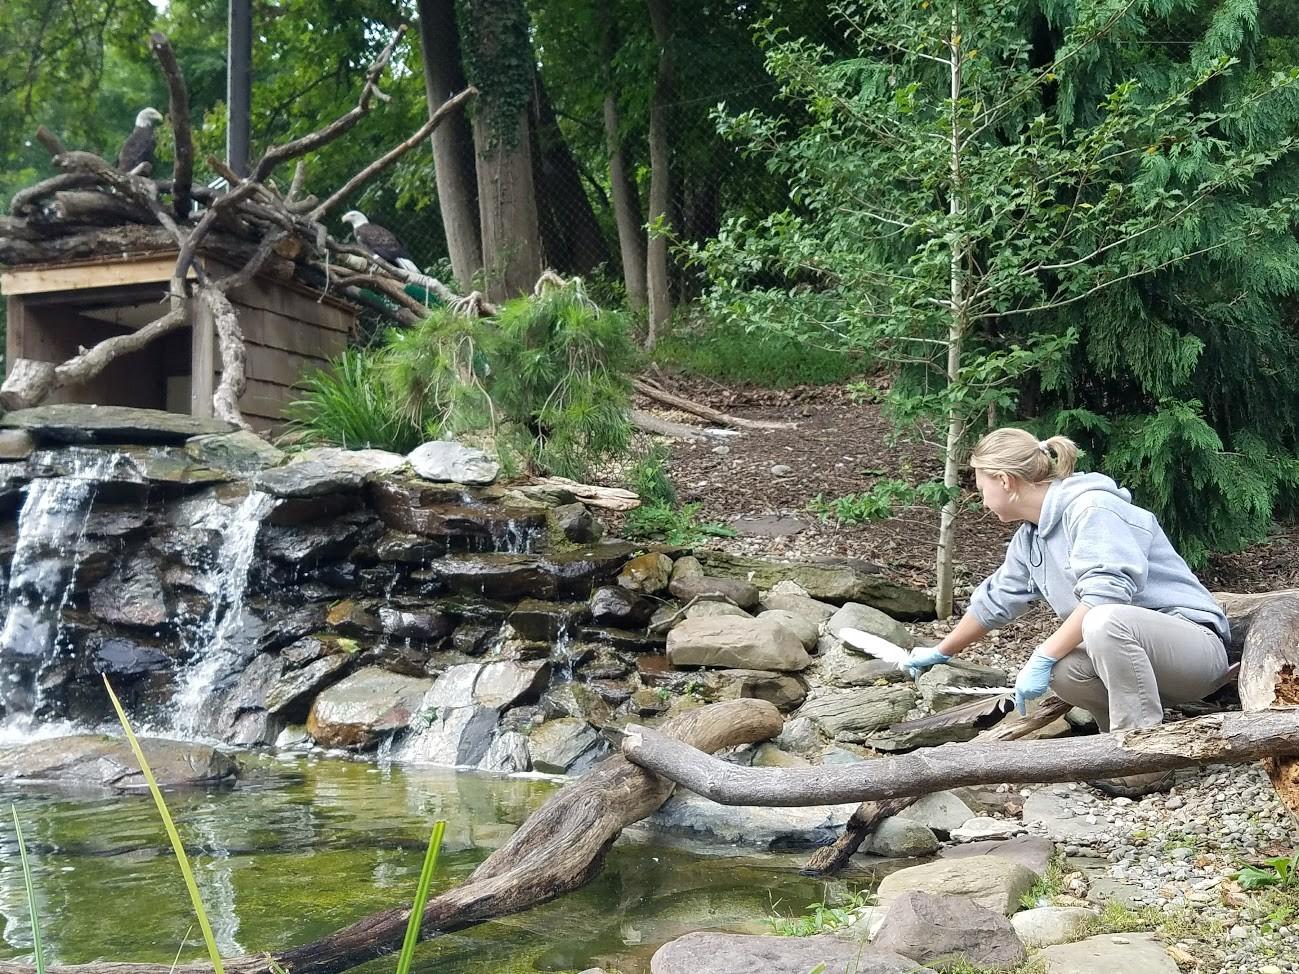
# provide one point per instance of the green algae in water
(304, 846)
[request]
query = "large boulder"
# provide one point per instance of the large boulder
(558, 745)
(291, 693)
(453, 737)
(613, 605)
(131, 596)
(508, 754)
(446, 461)
(366, 706)
(800, 626)
(990, 881)
(1033, 852)
(107, 762)
(854, 615)
(900, 838)
(88, 423)
(1106, 954)
(731, 953)
(576, 523)
(941, 811)
(646, 574)
(945, 930)
(836, 581)
(506, 682)
(852, 714)
(706, 588)
(326, 470)
(753, 644)
(240, 453)
(1046, 926)
(688, 815)
(800, 605)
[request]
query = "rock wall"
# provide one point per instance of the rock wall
(488, 625)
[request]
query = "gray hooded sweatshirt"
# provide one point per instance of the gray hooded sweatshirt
(1093, 545)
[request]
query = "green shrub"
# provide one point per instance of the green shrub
(348, 405)
(545, 385)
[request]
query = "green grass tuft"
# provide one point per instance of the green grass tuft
(37, 949)
(421, 897)
(730, 353)
(176, 845)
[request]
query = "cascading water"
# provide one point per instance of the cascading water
(43, 572)
(210, 642)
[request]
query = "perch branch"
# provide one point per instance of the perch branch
(314, 140)
(393, 154)
(178, 111)
(52, 143)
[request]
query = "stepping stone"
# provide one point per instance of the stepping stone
(1107, 954)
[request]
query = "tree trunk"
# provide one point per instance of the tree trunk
(507, 209)
(570, 233)
(660, 195)
(453, 143)
(560, 848)
(1269, 677)
(500, 61)
(626, 201)
(955, 338)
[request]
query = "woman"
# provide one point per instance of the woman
(1137, 628)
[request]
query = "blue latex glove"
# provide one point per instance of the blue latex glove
(922, 659)
(1033, 680)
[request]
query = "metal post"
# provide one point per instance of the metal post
(239, 81)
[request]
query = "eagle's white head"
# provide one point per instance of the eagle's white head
(147, 117)
(354, 219)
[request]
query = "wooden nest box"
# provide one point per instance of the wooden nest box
(54, 309)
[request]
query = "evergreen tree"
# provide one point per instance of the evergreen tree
(983, 182)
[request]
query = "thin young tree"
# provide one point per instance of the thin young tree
(945, 206)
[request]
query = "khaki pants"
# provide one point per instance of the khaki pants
(1132, 661)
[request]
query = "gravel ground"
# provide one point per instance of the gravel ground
(1180, 853)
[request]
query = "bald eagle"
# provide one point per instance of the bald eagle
(138, 146)
(380, 241)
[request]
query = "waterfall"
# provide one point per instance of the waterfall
(210, 643)
(43, 573)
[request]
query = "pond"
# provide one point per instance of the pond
(306, 844)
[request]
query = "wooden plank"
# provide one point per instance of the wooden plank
(15, 328)
(202, 359)
(300, 305)
(37, 280)
(266, 400)
(276, 331)
(282, 368)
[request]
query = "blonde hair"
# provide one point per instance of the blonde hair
(1018, 453)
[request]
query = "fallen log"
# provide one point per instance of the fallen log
(651, 391)
(558, 849)
(831, 858)
(1211, 739)
(657, 426)
(609, 498)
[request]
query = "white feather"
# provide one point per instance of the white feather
(872, 645)
(979, 691)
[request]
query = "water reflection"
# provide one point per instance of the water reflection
(306, 845)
